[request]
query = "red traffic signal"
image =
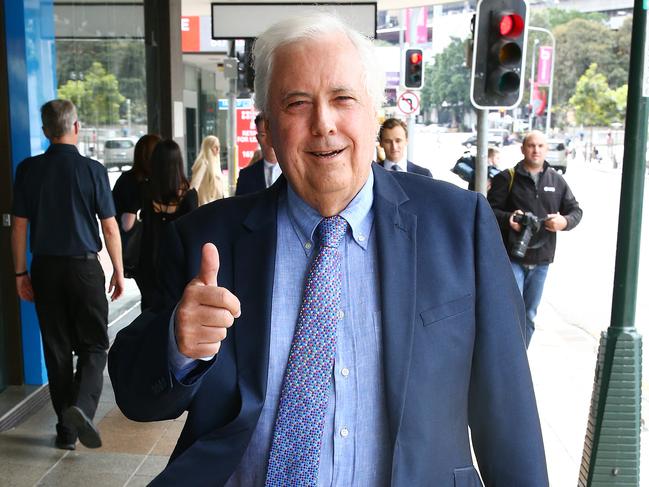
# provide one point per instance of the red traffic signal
(413, 70)
(500, 36)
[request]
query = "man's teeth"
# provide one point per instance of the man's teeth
(328, 154)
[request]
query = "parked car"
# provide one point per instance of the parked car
(493, 139)
(118, 152)
(557, 155)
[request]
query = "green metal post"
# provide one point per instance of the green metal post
(611, 454)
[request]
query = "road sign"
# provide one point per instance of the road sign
(408, 102)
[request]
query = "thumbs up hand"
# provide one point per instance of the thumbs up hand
(205, 311)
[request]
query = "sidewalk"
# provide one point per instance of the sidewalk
(562, 358)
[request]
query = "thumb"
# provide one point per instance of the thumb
(209, 265)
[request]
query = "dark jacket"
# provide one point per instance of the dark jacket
(251, 179)
(453, 353)
(551, 195)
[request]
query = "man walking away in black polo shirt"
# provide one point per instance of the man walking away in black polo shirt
(60, 194)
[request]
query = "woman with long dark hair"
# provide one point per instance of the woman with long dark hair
(127, 191)
(168, 197)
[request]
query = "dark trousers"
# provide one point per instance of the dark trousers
(72, 312)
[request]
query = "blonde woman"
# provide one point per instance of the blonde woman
(206, 171)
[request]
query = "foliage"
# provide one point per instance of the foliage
(595, 104)
(447, 81)
(125, 59)
(96, 96)
(581, 43)
(550, 18)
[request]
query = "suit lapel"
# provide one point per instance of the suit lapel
(397, 253)
(254, 269)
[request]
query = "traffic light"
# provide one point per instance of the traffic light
(499, 44)
(246, 74)
(413, 69)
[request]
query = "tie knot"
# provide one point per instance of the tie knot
(331, 231)
(395, 167)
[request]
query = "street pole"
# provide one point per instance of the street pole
(611, 454)
(410, 117)
(480, 176)
(531, 117)
(232, 121)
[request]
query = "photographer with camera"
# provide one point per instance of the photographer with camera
(532, 202)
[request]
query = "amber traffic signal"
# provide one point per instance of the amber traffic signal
(499, 42)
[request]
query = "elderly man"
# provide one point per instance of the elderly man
(261, 174)
(59, 195)
(532, 187)
(353, 323)
(393, 138)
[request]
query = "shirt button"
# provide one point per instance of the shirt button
(345, 371)
(361, 238)
(341, 314)
(344, 432)
(307, 245)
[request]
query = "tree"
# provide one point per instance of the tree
(550, 18)
(96, 96)
(447, 81)
(594, 102)
(103, 87)
(581, 43)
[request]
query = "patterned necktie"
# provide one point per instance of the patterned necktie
(295, 453)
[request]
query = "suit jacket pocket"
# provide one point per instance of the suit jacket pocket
(466, 477)
(447, 310)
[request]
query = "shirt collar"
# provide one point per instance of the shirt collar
(270, 165)
(358, 213)
(402, 164)
(62, 147)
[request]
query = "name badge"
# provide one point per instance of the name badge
(549, 189)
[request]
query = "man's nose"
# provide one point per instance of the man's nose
(323, 120)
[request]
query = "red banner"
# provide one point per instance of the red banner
(246, 135)
(544, 70)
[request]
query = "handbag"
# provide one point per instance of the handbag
(131, 254)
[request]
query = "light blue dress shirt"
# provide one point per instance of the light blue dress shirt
(355, 446)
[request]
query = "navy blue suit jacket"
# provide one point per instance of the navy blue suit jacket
(251, 179)
(414, 168)
(452, 318)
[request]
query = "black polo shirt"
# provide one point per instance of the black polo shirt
(61, 193)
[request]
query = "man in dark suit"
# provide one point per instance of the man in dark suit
(262, 173)
(393, 138)
(407, 276)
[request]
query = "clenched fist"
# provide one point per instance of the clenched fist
(206, 311)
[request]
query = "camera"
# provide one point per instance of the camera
(531, 225)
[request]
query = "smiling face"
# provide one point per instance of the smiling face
(395, 142)
(321, 121)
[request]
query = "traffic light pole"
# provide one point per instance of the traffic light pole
(611, 454)
(233, 165)
(412, 27)
(480, 176)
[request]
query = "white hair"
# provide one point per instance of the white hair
(310, 27)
